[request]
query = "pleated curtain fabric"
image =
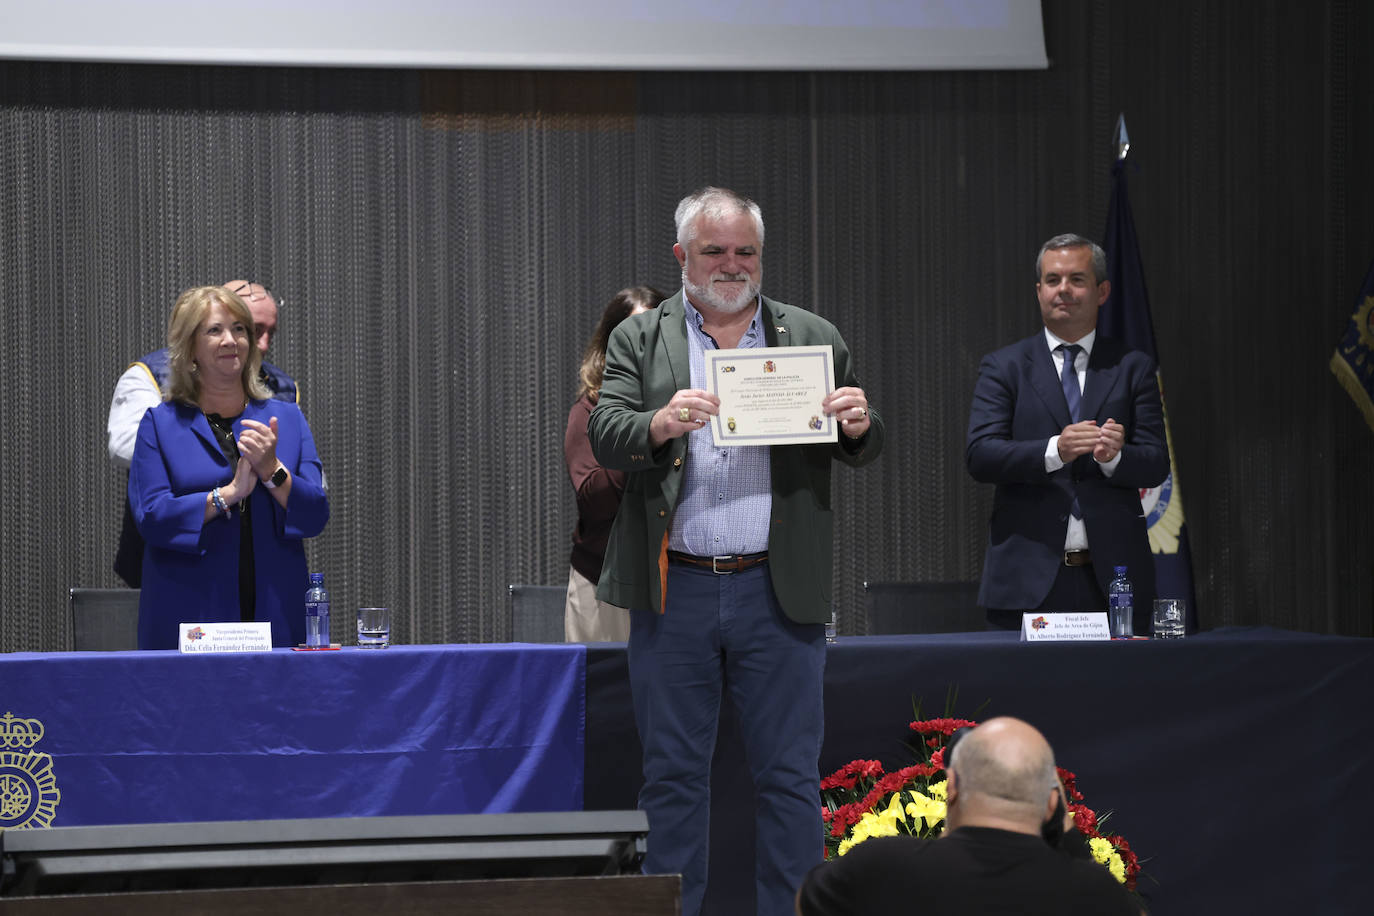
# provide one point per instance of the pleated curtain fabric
(445, 242)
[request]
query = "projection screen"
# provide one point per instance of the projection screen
(535, 34)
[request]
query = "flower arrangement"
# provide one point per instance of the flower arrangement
(860, 800)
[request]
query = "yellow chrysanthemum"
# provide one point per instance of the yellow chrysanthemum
(857, 834)
(1105, 854)
(937, 791)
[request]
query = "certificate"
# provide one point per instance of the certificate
(771, 395)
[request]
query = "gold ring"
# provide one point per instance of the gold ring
(684, 414)
(863, 411)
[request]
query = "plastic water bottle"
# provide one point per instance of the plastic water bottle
(317, 613)
(1119, 596)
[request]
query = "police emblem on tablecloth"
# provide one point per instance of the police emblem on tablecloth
(28, 787)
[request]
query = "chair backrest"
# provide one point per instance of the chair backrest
(104, 618)
(922, 607)
(536, 613)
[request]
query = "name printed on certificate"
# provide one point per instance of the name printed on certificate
(772, 395)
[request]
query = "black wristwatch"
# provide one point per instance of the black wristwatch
(277, 479)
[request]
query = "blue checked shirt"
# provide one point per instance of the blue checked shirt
(726, 492)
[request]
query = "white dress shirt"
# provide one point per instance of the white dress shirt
(135, 392)
(1076, 538)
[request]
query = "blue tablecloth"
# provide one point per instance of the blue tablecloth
(145, 737)
(1239, 763)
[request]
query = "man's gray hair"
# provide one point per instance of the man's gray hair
(1069, 240)
(713, 203)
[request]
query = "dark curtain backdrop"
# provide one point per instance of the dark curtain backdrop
(445, 241)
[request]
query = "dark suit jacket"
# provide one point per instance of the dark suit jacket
(190, 566)
(646, 362)
(1018, 405)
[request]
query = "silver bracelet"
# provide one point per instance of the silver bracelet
(219, 502)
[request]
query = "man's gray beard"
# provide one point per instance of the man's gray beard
(704, 295)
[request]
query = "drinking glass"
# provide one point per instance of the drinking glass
(374, 627)
(1169, 615)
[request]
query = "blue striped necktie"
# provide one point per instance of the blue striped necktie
(1069, 379)
(1074, 398)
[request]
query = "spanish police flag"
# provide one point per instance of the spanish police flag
(1353, 361)
(1126, 316)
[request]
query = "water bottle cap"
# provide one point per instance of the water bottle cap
(316, 578)
(1120, 570)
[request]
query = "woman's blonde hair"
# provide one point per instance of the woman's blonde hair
(183, 377)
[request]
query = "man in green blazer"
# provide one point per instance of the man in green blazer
(723, 554)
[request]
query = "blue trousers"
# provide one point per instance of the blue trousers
(727, 632)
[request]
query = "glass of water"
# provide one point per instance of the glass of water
(1168, 620)
(374, 627)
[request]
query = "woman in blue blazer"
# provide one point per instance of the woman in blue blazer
(225, 483)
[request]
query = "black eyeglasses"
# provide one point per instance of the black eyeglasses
(245, 291)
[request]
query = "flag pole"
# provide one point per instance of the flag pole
(1126, 317)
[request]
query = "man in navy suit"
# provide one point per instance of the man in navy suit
(1069, 448)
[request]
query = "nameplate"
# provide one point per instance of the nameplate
(1065, 627)
(196, 638)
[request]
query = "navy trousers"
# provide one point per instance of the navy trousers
(727, 633)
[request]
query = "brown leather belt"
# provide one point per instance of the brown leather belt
(721, 566)
(1077, 558)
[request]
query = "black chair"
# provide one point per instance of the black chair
(536, 613)
(104, 619)
(922, 607)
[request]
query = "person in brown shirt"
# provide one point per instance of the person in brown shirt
(598, 489)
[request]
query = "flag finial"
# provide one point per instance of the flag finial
(1123, 140)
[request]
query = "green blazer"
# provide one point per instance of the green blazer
(646, 363)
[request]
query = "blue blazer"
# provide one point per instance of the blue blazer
(1018, 404)
(191, 566)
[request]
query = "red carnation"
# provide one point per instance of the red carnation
(1085, 819)
(1070, 782)
(847, 776)
(945, 727)
(839, 781)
